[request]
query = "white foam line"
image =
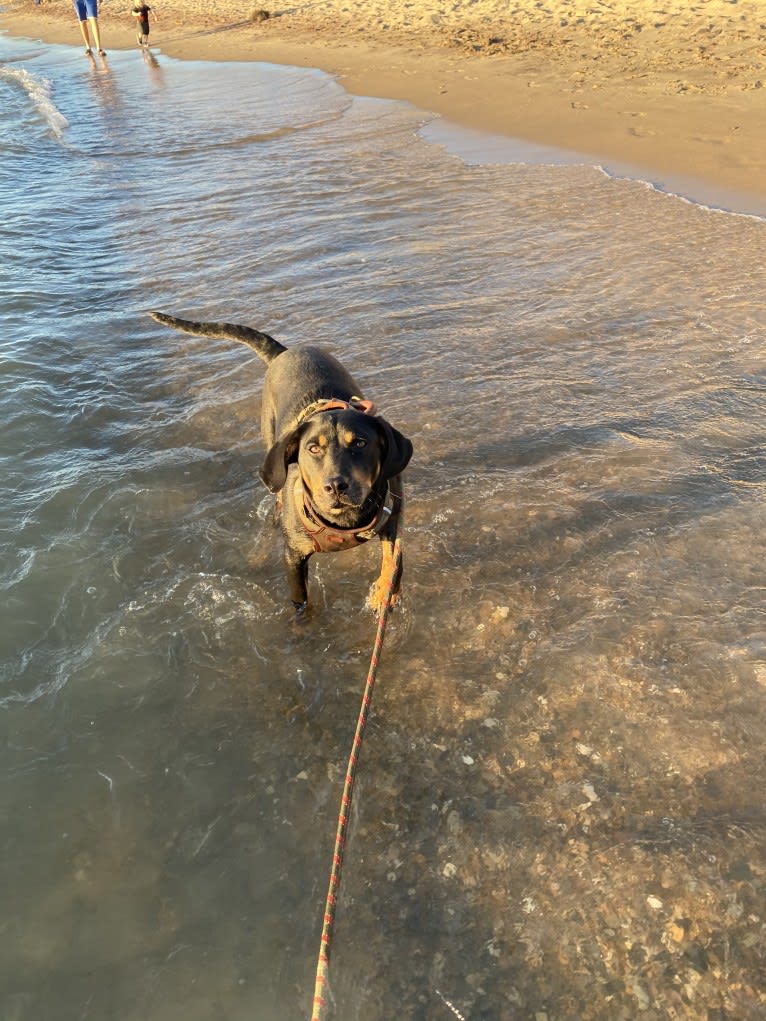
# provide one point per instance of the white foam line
(480, 148)
(40, 91)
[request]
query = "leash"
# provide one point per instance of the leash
(320, 1003)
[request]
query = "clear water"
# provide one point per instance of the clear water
(560, 809)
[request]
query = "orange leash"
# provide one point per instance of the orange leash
(320, 1001)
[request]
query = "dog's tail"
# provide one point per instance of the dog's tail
(261, 343)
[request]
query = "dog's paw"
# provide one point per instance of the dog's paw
(378, 594)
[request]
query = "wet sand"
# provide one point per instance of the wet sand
(672, 89)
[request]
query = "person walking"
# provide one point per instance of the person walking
(142, 10)
(87, 15)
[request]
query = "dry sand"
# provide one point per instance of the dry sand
(674, 88)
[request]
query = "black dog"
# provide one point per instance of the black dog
(333, 462)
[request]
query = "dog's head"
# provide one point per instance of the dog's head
(341, 455)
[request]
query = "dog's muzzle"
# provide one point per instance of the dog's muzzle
(328, 538)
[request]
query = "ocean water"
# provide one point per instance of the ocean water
(560, 808)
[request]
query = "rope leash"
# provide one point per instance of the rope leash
(320, 1003)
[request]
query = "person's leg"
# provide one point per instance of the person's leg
(82, 15)
(96, 33)
(85, 36)
(91, 8)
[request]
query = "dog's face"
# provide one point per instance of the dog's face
(340, 455)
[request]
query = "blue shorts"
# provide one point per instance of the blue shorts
(86, 9)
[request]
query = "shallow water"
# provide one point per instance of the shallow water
(560, 806)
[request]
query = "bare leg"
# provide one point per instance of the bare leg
(85, 35)
(96, 33)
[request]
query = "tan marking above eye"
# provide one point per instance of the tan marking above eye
(348, 438)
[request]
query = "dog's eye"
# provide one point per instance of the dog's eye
(358, 443)
(314, 448)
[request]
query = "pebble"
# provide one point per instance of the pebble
(677, 932)
(454, 823)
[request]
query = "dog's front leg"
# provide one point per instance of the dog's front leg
(381, 587)
(297, 568)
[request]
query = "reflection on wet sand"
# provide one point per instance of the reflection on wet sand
(154, 66)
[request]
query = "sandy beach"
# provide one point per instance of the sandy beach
(674, 89)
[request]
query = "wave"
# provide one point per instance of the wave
(40, 92)
(477, 148)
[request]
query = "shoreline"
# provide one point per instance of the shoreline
(685, 110)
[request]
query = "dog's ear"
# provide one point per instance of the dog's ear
(283, 452)
(398, 450)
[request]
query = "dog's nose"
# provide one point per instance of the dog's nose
(336, 485)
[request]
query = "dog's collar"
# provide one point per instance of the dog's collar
(327, 538)
(318, 407)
